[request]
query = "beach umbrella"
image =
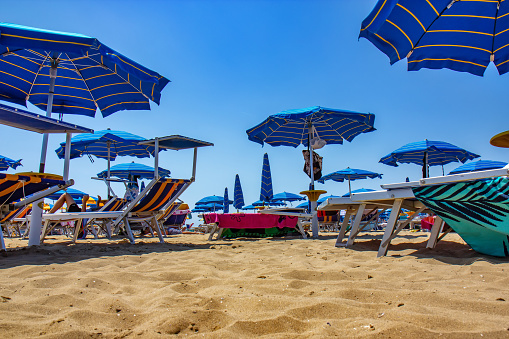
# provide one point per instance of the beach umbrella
(427, 153)
(464, 36)
(258, 203)
(349, 174)
(249, 207)
(238, 197)
(303, 205)
(480, 165)
(266, 188)
(216, 199)
(5, 163)
(210, 206)
(75, 194)
(322, 199)
(226, 201)
(286, 196)
(130, 169)
(314, 126)
(69, 73)
(360, 190)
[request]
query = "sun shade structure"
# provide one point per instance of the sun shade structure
(266, 188)
(427, 153)
(286, 196)
(238, 196)
(6, 163)
(258, 203)
(349, 174)
(211, 199)
(464, 36)
(480, 165)
(124, 171)
(360, 190)
(75, 194)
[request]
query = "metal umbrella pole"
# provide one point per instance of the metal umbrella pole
(314, 220)
(49, 108)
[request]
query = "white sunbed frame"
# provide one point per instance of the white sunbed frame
(397, 196)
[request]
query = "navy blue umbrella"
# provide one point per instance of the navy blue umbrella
(226, 201)
(5, 163)
(349, 174)
(464, 36)
(266, 189)
(238, 197)
(427, 153)
(130, 169)
(480, 165)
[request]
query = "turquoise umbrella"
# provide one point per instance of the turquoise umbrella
(124, 171)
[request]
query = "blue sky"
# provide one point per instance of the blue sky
(233, 63)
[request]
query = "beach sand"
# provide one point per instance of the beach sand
(274, 288)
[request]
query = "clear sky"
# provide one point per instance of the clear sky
(233, 63)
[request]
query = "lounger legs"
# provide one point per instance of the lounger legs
(130, 235)
(2, 244)
(342, 230)
(391, 223)
(356, 223)
(435, 232)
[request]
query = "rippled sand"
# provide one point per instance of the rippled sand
(276, 288)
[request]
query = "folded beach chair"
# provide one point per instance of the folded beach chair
(11, 222)
(21, 190)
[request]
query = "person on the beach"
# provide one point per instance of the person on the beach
(71, 204)
(132, 188)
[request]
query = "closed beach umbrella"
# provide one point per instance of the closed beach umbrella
(238, 197)
(480, 165)
(69, 73)
(314, 126)
(5, 163)
(266, 188)
(427, 153)
(349, 174)
(130, 169)
(464, 36)
(226, 201)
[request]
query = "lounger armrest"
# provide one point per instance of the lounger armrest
(400, 185)
(403, 193)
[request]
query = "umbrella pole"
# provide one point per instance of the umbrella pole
(349, 187)
(49, 108)
(314, 220)
(67, 156)
(108, 143)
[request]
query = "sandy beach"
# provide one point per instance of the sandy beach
(277, 288)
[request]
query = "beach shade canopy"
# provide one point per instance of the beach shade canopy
(322, 199)
(286, 196)
(269, 203)
(238, 196)
(464, 36)
(303, 205)
(130, 169)
(6, 163)
(212, 199)
(210, 206)
(427, 153)
(226, 201)
(249, 207)
(75, 194)
(349, 174)
(360, 190)
(480, 165)
(266, 188)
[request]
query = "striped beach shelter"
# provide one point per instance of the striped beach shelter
(238, 196)
(464, 36)
(226, 201)
(266, 188)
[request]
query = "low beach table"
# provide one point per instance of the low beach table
(248, 221)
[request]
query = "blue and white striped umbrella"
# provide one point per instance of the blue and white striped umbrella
(212, 199)
(5, 163)
(266, 189)
(238, 196)
(75, 194)
(464, 36)
(360, 190)
(291, 128)
(226, 201)
(286, 196)
(480, 165)
(349, 174)
(124, 171)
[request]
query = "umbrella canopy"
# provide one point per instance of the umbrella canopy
(87, 73)
(75, 194)
(285, 196)
(481, 165)
(303, 205)
(249, 207)
(360, 190)
(427, 153)
(464, 36)
(291, 128)
(238, 197)
(266, 189)
(210, 206)
(130, 169)
(269, 203)
(5, 163)
(350, 174)
(211, 199)
(322, 199)
(226, 201)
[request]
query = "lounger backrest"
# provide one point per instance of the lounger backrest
(19, 212)
(15, 187)
(169, 211)
(160, 194)
(116, 205)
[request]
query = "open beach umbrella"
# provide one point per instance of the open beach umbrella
(212, 199)
(286, 196)
(126, 170)
(427, 153)
(238, 197)
(226, 201)
(249, 207)
(258, 203)
(349, 174)
(210, 206)
(266, 188)
(360, 190)
(480, 165)
(314, 126)
(322, 199)
(5, 163)
(70, 73)
(75, 194)
(464, 36)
